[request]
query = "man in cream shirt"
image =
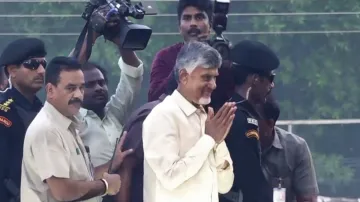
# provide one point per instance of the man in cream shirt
(185, 157)
(56, 165)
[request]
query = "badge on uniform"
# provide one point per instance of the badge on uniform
(252, 121)
(5, 106)
(252, 134)
(5, 121)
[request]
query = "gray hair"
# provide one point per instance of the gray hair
(194, 54)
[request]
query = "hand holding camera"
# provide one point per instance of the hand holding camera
(110, 18)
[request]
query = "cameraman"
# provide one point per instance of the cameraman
(195, 18)
(104, 118)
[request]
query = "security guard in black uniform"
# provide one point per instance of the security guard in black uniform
(253, 65)
(24, 65)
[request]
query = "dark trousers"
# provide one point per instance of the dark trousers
(108, 199)
(223, 199)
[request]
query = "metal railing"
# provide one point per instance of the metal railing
(175, 15)
(79, 1)
(291, 123)
(333, 199)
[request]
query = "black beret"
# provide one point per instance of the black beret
(254, 55)
(22, 49)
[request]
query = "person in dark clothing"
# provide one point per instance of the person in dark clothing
(253, 64)
(24, 63)
(195, 19)
(286, 159)
(132, 170)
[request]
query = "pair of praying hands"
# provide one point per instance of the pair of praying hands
(218, 125)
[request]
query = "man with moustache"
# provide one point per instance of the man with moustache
(56, 164)
(195, 19)
(185, 157)
(253, 66)
(23, 62)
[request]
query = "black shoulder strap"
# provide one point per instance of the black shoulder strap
(87, 30)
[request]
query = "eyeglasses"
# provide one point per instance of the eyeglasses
(34, 64)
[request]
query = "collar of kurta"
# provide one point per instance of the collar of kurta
(184, 104)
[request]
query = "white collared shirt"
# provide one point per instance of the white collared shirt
(181, 162)
(100, 135)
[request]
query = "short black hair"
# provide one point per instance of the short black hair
(57, 65)
(89, 65)
(271, 109)
(203, 5)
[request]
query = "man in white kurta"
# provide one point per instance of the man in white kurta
(181, 162)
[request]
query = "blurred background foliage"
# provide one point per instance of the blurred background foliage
(317, 41)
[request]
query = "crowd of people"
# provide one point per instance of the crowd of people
(208, 132)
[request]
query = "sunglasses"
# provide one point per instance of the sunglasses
(270, 77)
(34, 64)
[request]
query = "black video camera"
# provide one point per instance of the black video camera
(110, 18)
(219, 42)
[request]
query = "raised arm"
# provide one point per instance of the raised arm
(82, 56)
(128, 88)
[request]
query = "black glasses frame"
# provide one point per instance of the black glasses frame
(34, 64)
